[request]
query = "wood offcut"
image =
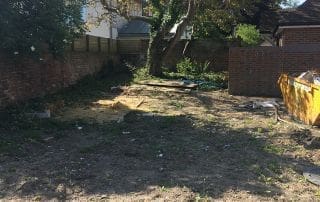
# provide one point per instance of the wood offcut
(169, 84)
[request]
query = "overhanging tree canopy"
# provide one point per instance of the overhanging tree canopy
(209, 17)
(26, 25)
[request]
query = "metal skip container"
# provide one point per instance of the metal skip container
(302, 98)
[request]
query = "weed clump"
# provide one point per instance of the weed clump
(199, 73)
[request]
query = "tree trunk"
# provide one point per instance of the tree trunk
(155, 55)
(180, 28)
(159, 49)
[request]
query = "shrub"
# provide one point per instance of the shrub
(188, 67)
(29, 26)
(140, 74)
(249, 35)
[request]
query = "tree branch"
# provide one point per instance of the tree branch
(125, 14)
(185, 20)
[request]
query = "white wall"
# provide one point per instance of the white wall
(104, 28)
(135, 10)
(97, 26)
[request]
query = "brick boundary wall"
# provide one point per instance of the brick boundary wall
(300, 36)
(255, 71)
(22, 79)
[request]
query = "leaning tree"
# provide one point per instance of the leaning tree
(221, 15)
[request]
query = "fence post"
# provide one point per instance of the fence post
(99, 44)
(87, 43)
(109, 45)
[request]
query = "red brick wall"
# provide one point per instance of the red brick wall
(255, 71)
(300, 36)
(21, 79)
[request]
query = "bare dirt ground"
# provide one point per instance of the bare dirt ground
(175, 146)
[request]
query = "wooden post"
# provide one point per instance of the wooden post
(72, 46)
(109, 45)
(87, 43)
(99, 44)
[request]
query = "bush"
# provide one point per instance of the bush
(206, 81)
(249, 35)
(188, 67)
(198, 73)
(29, 26)
(140, 74)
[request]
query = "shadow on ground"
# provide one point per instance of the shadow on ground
(144, 151)
(147, 155)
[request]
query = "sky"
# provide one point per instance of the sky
(299, 2)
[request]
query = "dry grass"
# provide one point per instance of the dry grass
(174, 146)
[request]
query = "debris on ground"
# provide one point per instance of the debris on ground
(106, 110)
(316, 80)
(148, 114)
(207, 85)
(206, 148)
(268, 104)
(116, 89)
(256, 103)
(272, 104)
(203, 85)
(41, 115)
(312, 175)
(160, 155)
(207, 144)
(48, 139)
(140, 103)
(247, 106)
(310, 76)
(226, 146)
(120, 120)
(265, 104)
(170, 84)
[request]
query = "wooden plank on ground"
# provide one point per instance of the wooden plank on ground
(169, 84)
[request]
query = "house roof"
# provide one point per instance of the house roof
(268, 21)
(306, 14)
(135, 28)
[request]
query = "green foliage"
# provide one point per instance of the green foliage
(206, 81)
(31, 26)
(248, 34)
(205, 29)
(214, 81)
(216, 20)
(177, 104)
(274, 149)
(140, 74)
(188, 67)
